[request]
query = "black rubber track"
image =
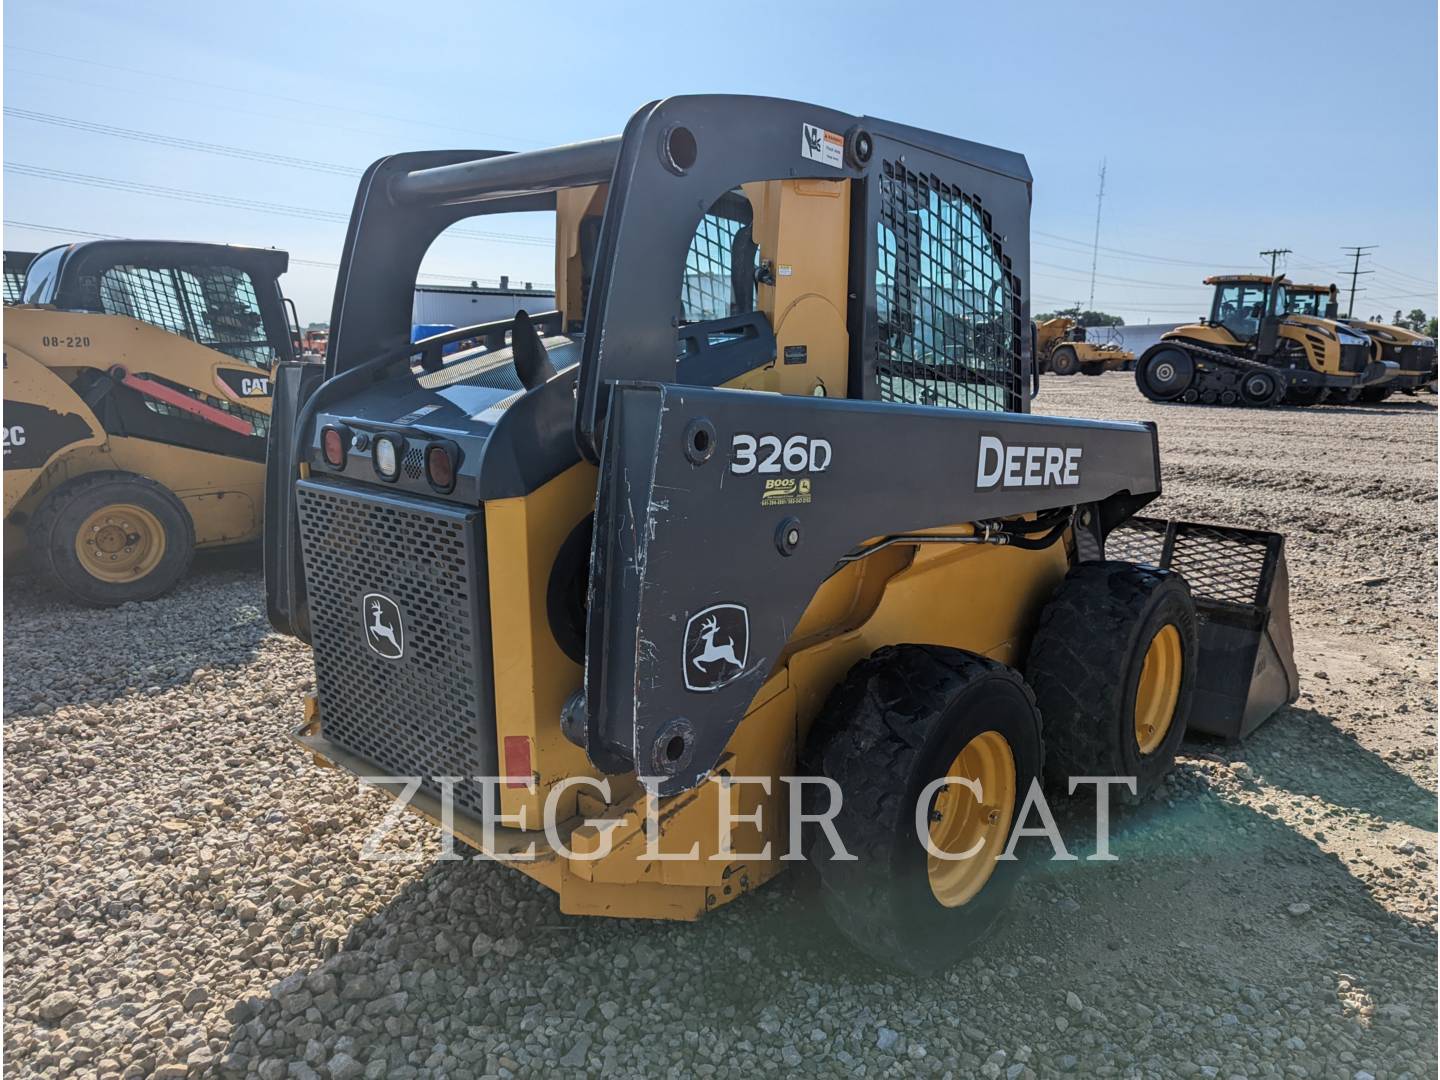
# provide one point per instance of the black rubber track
(1084, 666)
(880, 737)
(1208, 382)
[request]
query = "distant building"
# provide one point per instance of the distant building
(467, 305)
(1135, 338)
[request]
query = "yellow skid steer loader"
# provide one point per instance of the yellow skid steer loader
(137, 408)
(749, 552)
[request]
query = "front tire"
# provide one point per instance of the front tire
(901, 719)
(1373, 395)
(1113, 668)
(107, 538)
(1063, 361)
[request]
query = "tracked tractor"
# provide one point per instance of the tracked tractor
(1253, 351)
(750, 552)
(1061, 348)
(1411, 353)
(137, 407)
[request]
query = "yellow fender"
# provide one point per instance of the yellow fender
(44, 419)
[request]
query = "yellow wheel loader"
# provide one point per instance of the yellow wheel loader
(1253, 351)
(1412, 354)
(750, 552)
(137, 408)
(1061, 348)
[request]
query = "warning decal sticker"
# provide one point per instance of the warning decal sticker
(823, 146)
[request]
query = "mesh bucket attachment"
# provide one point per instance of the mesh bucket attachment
(1242, 595)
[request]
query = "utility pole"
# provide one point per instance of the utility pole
(1274, 254)
(1358, 253)
(1095, 251)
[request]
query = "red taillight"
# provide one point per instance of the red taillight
(518, 772)
(440, 466)
(332, 441)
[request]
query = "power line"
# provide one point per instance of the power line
(211, 199)
(1140, 255)
(295, 260)
(181, 144)
(1401, 273)
(1274, 254)
(1359, 253)
(252, 92)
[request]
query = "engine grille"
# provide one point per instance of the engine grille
(1354, 357)
(1232, 566)
(425, 714)
(1414, 357)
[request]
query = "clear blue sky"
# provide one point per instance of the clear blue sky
(1223, 135)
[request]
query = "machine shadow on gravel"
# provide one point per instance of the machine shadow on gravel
(1352, 777)
(1205, 889)
(215, 618)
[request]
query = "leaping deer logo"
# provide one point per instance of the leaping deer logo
(716, 645)
(384, 632)
(714, 652)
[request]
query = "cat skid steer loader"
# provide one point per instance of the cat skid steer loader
(137, 407)
(761, 499)
(1411, 353)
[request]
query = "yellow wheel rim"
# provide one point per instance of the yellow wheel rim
(120, 542)
(1159, 689)
(961, 823)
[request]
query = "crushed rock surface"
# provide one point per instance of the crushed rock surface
(184, 895)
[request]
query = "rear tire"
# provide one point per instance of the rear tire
(902, 718)
(108, 538)
(1103, 664)
(1092, 369)
(1063, 361)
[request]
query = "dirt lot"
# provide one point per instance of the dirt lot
(183, 893)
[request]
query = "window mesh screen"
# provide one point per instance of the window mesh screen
(14, 285)
(213, 305)
(259, 422)
(712, 289)
(226, 312)
(946, 303)
(144, 293)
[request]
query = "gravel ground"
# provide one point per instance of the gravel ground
(184, 897)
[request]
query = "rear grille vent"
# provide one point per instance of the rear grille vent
(414, 462)
(424, 713)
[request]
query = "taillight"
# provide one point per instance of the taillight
(332, 442)
(440, 461)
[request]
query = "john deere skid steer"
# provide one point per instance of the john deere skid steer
(1253, 351)
(759, 500)
(137, 406)
(1412, 354)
